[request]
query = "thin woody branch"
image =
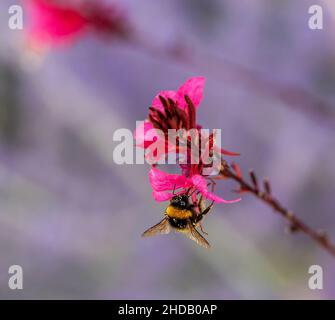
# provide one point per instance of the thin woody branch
(295, 224)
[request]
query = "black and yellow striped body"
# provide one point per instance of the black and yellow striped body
(183, 216)
(180, 212)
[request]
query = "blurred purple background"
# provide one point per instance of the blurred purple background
(73, 219)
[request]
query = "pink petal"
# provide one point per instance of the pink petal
(156, 103)
(194, 88)
(215, 198)
(162, 195)
(200, 184)
(51, 22)
(140, 132)
(162, 181)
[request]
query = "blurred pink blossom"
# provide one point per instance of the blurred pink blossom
(55, 21)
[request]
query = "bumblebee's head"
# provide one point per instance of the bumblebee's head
(180, 201)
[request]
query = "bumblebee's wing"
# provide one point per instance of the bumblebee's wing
(194, 235)
(162, 227)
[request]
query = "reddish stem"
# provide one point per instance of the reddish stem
(295, 223)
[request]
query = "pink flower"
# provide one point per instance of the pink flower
(57, 21)
(173, 110)
(193, 88)
(162, 182)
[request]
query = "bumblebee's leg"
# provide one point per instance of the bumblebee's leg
(199, 218)
(190, 192)
(199, 203)
(204, 212)
(202, 230)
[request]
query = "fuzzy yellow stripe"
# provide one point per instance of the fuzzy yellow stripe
(176, 213)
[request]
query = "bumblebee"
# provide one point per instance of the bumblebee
(183, 216)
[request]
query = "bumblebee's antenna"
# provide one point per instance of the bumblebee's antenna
(187, 193)
(174, 189)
